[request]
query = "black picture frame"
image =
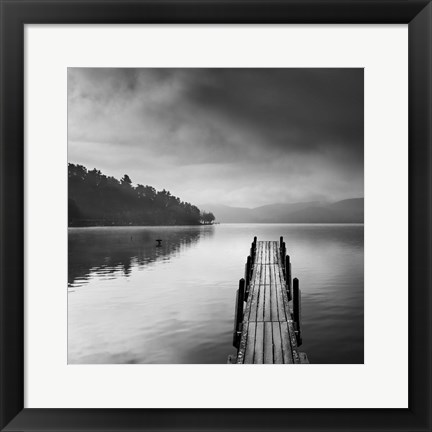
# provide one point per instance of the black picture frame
(15, 14)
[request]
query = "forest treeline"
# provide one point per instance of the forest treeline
(96, 199)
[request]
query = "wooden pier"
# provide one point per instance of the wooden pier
(266, 330)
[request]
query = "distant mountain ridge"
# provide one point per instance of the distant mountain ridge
(345, 211)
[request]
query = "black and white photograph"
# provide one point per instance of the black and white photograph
(215, 216)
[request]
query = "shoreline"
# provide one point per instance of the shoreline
(219, 223)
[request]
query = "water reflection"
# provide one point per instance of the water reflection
(133, 302)
(110, 252)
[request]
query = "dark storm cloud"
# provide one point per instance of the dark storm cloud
(249, 133)
(296, 108)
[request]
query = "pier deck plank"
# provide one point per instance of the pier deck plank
(267, 329)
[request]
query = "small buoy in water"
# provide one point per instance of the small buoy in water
(159, 242)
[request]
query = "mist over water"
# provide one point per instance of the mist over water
(130, 301)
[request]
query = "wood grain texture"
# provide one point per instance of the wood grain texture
(259, 344)
(268, 342)
(267, 329)
(250, 343)
(277, 344)
(286, 344)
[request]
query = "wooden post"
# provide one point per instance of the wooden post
(239, 313)
(296, 310)
(290, 283)
(282, 257)
(248, 270)
(281, 247)
(288, 276)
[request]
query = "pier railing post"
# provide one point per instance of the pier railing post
(297, 310)
(249, 267)
(282, 249)
(281, 243)
(288, 276)
(248, 270)
(239, 313)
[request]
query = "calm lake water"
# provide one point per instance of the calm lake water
(132, 302)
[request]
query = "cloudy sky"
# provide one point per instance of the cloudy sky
(240, 137)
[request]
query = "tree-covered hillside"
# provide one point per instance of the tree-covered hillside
(95, 199)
